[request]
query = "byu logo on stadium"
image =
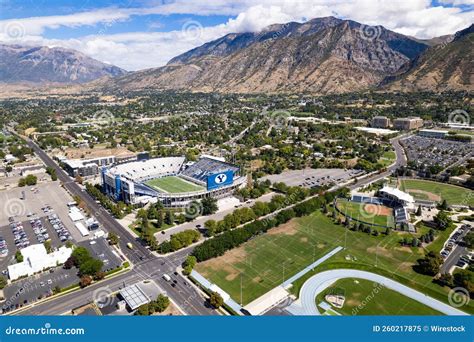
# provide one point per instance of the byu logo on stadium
(221, 178)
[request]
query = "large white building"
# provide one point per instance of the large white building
(36, 259)
(404, 199)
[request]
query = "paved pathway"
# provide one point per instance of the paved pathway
(306, 304)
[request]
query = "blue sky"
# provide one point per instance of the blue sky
(137, 34)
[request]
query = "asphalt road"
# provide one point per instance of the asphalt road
(306, 305)
(147, 265)
(185, 295)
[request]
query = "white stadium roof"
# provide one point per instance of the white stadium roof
(398, 194)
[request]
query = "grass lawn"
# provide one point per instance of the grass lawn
(425, 189)
(265, 261)
(137, 229)
(173, 184)
(379, 214)
(387, 158)
(377, 299)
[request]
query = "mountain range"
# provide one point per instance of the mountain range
(321, 56)
(41, 64)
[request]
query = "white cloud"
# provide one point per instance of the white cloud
(140, 50)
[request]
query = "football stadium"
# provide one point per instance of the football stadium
(171, 180)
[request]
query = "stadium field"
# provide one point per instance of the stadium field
(383, 301)
(173, 185)
(369, 213)
(434, 191)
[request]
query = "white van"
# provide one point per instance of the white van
(166, 277)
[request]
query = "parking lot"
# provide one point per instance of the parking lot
(33, 288)
(34, 198)
(425, 152)
(454, 251)
(101, 250)
(311, 178)
(18, 235)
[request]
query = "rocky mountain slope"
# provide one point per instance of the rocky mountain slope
(22, 64)
(447, 66)
(323, 55)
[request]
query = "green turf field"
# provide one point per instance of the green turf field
(424, 189)
(265, 261)
(378, 299)
(173, 185)
(387, 158)
(358, 211)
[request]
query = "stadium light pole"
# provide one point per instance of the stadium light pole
(241, 302)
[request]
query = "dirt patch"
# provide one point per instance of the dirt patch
(378, 210)
(225, 263)
(380, 251)
(288, 228)
(353, 302)
(304, 239)
(431, 196)
(77, 153)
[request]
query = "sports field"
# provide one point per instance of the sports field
(434, 191)
(264, 262)
(370, 213)
(364, 297)
(173, 185)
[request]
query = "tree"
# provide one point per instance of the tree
(31, 180)
(3, 282)
(216, 300)
(429, 265)
(189, 264)
(47, 246)
(442, 220)
(113, 238)
(443, 205)
(70, 262)
(161, 303)
(85, 281)
(18, 256)
(143, 310)
(469, 239)
(209, 206)
(169, 217)
(80, 255)
(90, 267)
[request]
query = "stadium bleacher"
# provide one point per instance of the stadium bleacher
(143, 170)
(205, 167)
(372, 200)
(401, 215)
